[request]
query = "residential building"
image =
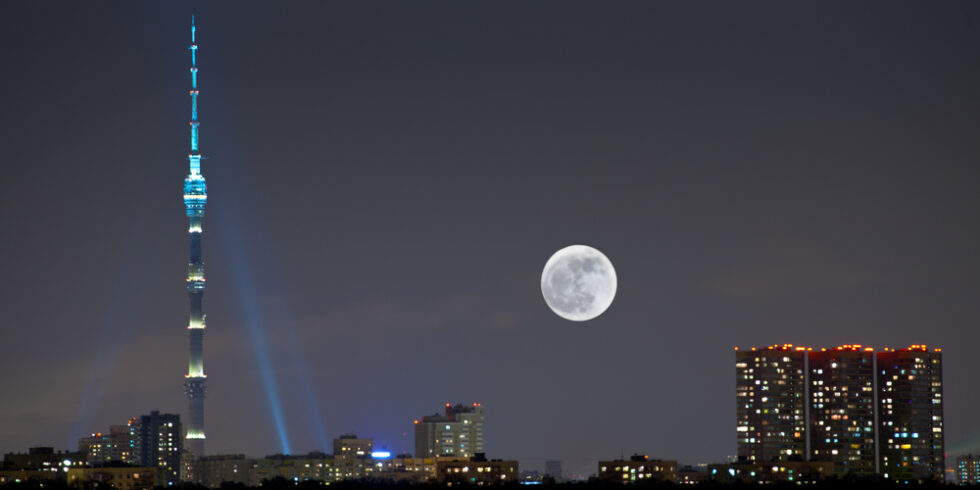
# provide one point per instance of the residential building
(476, 470)
(910, 414)
(118, 445)
(798, 472)
(458, 433)
(350, 446)
(44, 459)
(159, 444)
(638, 469)
(770, 404)
(842, 408)
(121, 477)
(968, 470)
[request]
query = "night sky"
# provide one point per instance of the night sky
(386, 181)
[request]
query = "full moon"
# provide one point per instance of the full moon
(578, 283)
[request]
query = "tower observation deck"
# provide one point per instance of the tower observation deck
(195, 196)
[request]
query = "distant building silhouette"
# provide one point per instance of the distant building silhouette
(39, 463)
(798, 472)
(552, 468)
(315, 466)
(115, 477)
(458, 433)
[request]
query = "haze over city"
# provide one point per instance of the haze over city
(387, 180)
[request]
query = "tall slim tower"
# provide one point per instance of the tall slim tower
(195, 196)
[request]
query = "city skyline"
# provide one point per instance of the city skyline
(394, 177)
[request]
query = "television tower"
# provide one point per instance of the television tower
(195, 196)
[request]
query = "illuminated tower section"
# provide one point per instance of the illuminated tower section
(195, 196)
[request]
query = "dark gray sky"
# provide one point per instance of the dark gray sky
(387, 180)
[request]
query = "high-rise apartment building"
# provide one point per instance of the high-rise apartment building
(770, 404)
(159, 444)
(118, 445)
(968, 470)
(458, 433)
(844, 390)
(842, 416)
(910, 414)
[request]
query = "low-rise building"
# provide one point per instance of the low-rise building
(477, 470)
(968, 470)
(404, 468)
(692, 474)
(640, 468)
(40, 463)
(774, 472)
(117, 477)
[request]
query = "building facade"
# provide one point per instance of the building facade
(118, 445)
(117, 477)
(798, 472)
(910, 414)
(968, 470)
(476, 470)
(159, 444)
(770, 404)
(350, 446)
(552, 468)
(458, 433)
(40, 463)
(638, 469)
(842, 408)
(846, 390)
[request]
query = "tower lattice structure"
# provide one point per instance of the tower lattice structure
(195, 196)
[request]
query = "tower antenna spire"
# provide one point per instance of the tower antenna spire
(195, 197)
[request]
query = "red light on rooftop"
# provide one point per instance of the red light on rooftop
(416, 421)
